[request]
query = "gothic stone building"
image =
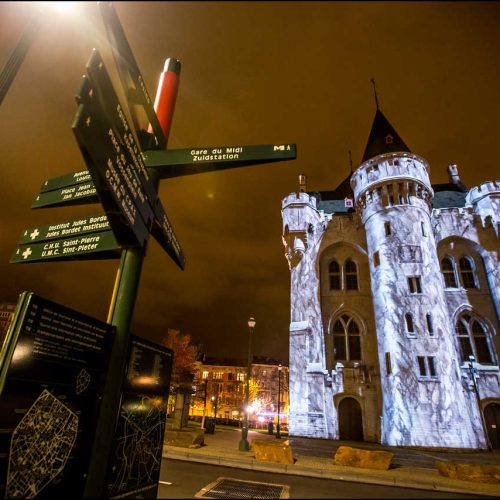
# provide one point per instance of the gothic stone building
(395, 304)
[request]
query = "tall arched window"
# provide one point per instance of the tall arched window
(335, 276)
(467, 272)
(351, 275)
(473, 339)
(346, 339)
(448, 270)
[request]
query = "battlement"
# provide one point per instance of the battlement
(299, 199)
(479, 192)
(390, 168)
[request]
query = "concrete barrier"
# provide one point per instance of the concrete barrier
(481, 473)
(366, 459)
(272, 451)
(184, 438)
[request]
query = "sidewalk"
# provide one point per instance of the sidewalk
(221, 448)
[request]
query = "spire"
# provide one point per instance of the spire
(374, 92)
(383, 138)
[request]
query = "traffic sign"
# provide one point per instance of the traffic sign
(76, 194)
(80, 247)
(75, 227)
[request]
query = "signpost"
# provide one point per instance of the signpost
(123, 174)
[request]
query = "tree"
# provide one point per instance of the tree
(184, 366)
(183, 372)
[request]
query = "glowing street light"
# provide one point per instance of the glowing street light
(244, 446)
(12, 66)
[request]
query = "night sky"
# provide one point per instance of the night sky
(252, 73)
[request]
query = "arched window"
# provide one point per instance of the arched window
(351, 275)
(473, 339)
(448, 270)
(467, 272)
(335, 277)
(346, 339)
(409, 323)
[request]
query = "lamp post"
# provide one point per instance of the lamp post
(278, 435)
(244, 446)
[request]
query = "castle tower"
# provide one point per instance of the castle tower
(424, 402)
(311, 408)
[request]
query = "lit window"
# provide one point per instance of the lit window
(204, 375)
(346, 339)
(351, 275)
(448, 270)
(414, 284)
(474, 339)
(240, 377)
(218, 375)
(334, 273)
(467, 272)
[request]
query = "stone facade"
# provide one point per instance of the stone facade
(389, 299)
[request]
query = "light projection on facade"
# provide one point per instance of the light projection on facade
(390, 298)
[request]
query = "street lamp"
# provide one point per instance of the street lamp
(278, 435)
(244, 446)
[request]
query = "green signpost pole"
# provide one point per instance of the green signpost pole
(121, 311)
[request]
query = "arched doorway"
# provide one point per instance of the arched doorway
(350, 420)
(492, 419)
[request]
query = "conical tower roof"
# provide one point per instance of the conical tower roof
(383, 138)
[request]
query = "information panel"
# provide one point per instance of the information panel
(52, 374)
(134, 467)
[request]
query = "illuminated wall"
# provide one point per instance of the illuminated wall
(379, 330)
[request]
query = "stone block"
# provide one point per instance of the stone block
(480, 473)
(366, 459)
(272, 451)
(184, 438)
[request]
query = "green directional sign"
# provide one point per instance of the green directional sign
(75, 227)
(101, 245)
(70, 195)
(66, 181)
(177, 162)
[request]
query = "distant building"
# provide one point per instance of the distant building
(395, 304)
(220, 389)
(6, 315)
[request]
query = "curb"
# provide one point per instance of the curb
(409, 478)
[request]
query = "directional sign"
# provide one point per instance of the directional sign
(111, 170)
(66, 181)
(77, 194)
(129, 73)
(177, 162)
(101, 245)
(164, 234)
(75, 227)
(108, 99)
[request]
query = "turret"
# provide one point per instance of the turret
(423, 399)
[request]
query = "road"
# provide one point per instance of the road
(188, 478)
